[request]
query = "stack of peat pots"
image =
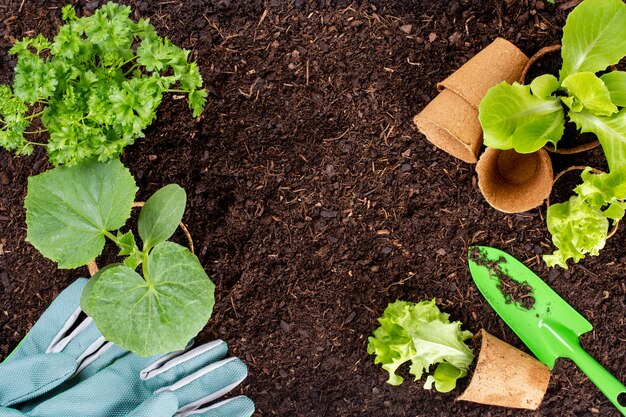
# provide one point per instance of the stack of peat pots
(510, 182)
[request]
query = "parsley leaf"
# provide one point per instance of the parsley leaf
(96, 86)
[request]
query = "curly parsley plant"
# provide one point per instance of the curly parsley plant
(96, 86)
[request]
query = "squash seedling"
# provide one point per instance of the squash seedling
(95, 87)
(526, 117)
(71, 211)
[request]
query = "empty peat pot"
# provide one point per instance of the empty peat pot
(513, 182)
(450, 121)
(505, 376)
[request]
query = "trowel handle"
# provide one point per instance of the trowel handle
(614, 390)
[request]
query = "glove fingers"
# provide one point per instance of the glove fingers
(240, 406)
(177, 366)
(88, 367)
(162, 405)
(208, 383)
(58, 317)
(81, 343)
(111, 392)
(9, 412)
(24, 379)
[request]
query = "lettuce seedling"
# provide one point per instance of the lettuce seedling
(526, 117)
(70, 211)
(422, 334)
(95, 87)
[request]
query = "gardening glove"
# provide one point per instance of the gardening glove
(57, 350)
(177, 384)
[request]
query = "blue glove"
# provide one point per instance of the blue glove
(68, 370)
(56, 350)
(177, 384)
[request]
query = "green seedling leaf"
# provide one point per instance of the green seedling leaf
(70, 209)
(615, 82)
(511, 117)
(588, 92)
(421, 334)
(611, 132)
(594, 37)
(86, 294)
(126, 243)
(158, 315)
(544, 85)
(161, 215)
(128, 247)
(444, 377)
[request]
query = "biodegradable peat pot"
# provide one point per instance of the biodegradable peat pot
(545, 54)
(92, 266)
(513, 182)
(450, 121)
(506, 376)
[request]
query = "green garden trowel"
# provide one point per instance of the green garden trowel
(548, 325)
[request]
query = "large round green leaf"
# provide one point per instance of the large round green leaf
(157, 315)
(69, 209)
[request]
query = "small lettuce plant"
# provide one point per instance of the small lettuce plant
(159, 296)
(526, 117)
(421, 334)
(95, 86)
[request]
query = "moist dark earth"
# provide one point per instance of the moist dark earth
(314, 201)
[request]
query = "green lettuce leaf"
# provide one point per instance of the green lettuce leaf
(577, 229)
(611, 132)
(70, 209)
(615, 82)
(544, 85)
(580, 226)
(444, 377)
(511, 117)
(589, 92)
(421, 334)
(594, 37)
(156, 315)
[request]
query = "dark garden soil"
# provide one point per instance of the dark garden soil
(314, 201)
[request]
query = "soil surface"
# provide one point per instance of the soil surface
(314, 201)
